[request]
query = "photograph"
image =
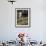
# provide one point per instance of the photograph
(22, 17)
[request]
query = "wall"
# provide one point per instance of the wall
(8, 31)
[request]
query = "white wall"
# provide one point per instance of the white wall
(8, 31)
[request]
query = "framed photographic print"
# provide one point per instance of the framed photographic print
(22, 17)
